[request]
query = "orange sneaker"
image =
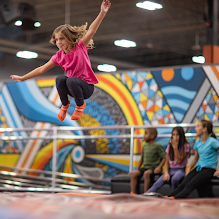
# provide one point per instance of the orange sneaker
(63, 112)
(169, 197)
(132, 193)
(78, 112)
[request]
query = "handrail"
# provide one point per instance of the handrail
(69, 175)
(184, 125)
(55, 136)
(75, 137)
(49, 179)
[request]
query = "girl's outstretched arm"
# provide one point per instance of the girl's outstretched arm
(36, 72)
(96, 23)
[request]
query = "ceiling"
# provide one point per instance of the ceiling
(164, 37)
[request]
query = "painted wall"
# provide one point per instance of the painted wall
(180, 95)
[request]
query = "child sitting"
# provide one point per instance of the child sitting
(205, 157)
(177, 154)
(152, 157)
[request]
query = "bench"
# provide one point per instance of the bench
(121, 184)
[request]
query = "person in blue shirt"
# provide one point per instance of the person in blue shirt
(205, 157)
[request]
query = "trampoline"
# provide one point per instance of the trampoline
(17, 205)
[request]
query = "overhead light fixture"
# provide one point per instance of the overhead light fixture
(37, 24)
(125, 43)
(27, 55)
(149, 5)
(27, 16)
(18, 23)
(106, 68)
(198, 59)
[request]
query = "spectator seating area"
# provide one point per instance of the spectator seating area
(121, 184)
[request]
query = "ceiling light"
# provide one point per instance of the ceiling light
(37, 24)
(27, 15)
(149, 5)
(106, 68)
(125, 43)
(18, 23)
(198, 59)
(27, 54)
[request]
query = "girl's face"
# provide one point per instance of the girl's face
(175, 136)
(61, 42)
(199, 130)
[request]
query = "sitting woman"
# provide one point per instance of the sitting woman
(177, 153)
(206, 158)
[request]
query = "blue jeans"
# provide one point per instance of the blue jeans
(176, 174)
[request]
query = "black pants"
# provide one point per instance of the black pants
(193, 180)
(74, 87)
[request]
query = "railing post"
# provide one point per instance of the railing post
(54, 158)
(131, 149)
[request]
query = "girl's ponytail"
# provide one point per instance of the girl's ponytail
(209, 126)
(213, 135)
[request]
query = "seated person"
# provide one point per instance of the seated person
(152, 157)
(177, 153)
(206, 158)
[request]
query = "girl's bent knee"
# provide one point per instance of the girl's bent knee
(60, 79)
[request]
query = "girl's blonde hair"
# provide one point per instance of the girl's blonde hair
(72, 34)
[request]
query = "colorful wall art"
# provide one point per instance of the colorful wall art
(164, 96)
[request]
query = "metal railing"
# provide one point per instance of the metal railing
(54, 136)
(18, 177)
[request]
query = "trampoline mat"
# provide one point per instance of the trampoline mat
(89, 206)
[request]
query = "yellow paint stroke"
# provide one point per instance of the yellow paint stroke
(102, 143)
(9, 160)
(49, 82)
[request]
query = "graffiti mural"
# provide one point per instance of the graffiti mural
(165, 96)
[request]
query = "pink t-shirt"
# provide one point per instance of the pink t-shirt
(173, 163)
(76, 63)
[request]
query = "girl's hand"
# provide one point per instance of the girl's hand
(105, 6)
(16, 78)
(166, 177)
(216, 173)
(174, 143)
(157, 170)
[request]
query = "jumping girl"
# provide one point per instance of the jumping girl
(72, 56)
